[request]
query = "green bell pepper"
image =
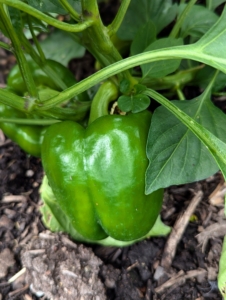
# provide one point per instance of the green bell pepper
(29, 138)
(97, 176)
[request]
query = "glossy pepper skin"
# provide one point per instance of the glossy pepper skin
(29, 138)
(97, 175)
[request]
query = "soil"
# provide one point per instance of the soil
(37, 264)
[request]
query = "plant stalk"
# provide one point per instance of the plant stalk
(175, 31)
(97, 39)
(6, 46)
(18, 52)
(73, 13)
(114, 26)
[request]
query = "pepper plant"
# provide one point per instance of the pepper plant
(113, 141)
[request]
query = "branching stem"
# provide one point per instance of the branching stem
(114, 26)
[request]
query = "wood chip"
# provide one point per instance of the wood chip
(216, 198)
(13, 198)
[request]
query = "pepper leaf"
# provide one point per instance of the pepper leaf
(66, 49)
(161, 13)
(53, 6)
(198, 21)
(16, 18)
(144, 37)
(139, 88)
(125, 103)
(134, 103)
(140, 103)
(163, 67)
(211, 47)
(215, 3)
(176, 155)
(124, 86)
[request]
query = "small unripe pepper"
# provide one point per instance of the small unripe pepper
(29, 137)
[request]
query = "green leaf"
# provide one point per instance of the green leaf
(198, 21)
(124, 86)
(216, 146)
(222, 270)
(161, 13)
(134, 103)
(47, 6)
(37, 24)
(140, 103)
(212, 44)
(66, 49)
(53, 6)
(144, 37)
(139, 88)
(203, 77)
(176, 155)
(16, 19)
(2, 29)
(164, 67)
(125, 103)
(215, 3)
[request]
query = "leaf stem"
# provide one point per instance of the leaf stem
(35, 40)
(49, 20)
(192, 51)
(6, 46)
(106, 93)
(209, 4)
(175, 31)
(116, 23)
(101, 45)
(180, 94)
(67, 6)
(13, 100)
(18, 52)
(41, 62)
(120, 66)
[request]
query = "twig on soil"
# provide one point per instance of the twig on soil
(17, 275)
(217, 196)
(148, 293)
(18, 292)
(177, 232)
(27, 297)
(13, 198)
(213, 231)
(180, 279)
(132, 266)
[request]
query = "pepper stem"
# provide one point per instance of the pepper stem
(106, 93)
